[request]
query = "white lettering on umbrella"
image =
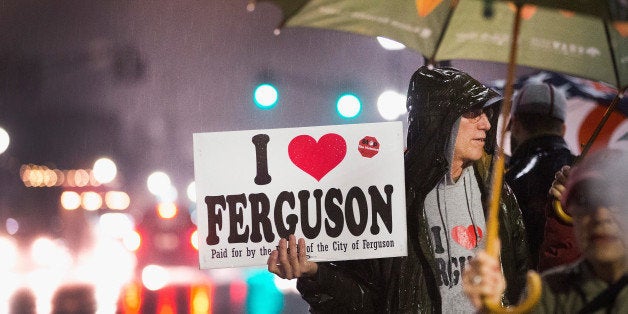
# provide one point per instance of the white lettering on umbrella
(328, 10)
(370, 17)
(464, 37)
(406, 27)
(497, 39)
(564, 47)
(422, 32)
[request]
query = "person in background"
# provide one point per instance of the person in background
(595, 196)
(450, 139)
(23, 301)
(74, 298)
(537, 127)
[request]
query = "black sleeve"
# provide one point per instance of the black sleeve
(514, 251)
(342, 287)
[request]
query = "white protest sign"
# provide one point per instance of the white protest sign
(340, 187)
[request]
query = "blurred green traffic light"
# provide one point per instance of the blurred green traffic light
(265, 96)
(348, 106)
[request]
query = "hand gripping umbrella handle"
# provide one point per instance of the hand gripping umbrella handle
(558, 208)
(533, 279)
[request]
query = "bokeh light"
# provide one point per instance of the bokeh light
(263, 296)
(391, 105)
(155, 277)
(9, 253)
(158, 183)
(70, 200)
(4, 140)
(194, 239)
(117, 200)
(46, 252)
(390, 44)
(12, 226)
(91, 201)
(132, 241)
(348, 105)
(105, 170)
(265, 96)
(201, 301)
(167, 210)
(168, 195)
(115, 225)
(191, 191)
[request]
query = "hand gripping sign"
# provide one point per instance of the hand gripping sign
(340, 187)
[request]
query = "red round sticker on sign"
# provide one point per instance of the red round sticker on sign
(368, 146)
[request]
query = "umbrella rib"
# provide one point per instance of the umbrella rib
(293, 13)
(454, 5)
(596, 132)
(612, 51)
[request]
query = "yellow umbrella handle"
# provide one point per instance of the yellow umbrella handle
(533, 288)
(558, 209)
(533, 284)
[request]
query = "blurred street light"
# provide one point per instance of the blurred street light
(154, 277)
(116, 225)
(159, 184)
(132, 241)
(70, 200)
(265, 96)
(105, 170)
(91, 201)
(191, 191)
(117, 200)
(9, 253)
(12, 226)
(391, 105)
(167, 210)
(4, 140)
(348, 106)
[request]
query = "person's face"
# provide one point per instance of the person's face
(472, 135)
(596, 226)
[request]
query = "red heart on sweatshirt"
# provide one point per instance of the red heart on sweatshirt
(465, 236)
(317, 158)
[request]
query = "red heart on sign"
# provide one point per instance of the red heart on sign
(465, 236)
(317, 158)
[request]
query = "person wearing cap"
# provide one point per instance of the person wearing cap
(537, 127)
(449, 145)
(595, 196)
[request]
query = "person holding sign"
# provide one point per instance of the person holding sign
(450, 141)
(594, 195)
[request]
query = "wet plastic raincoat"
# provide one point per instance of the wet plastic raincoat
(436, 100)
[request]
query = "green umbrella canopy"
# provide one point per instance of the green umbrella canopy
(585, 38)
